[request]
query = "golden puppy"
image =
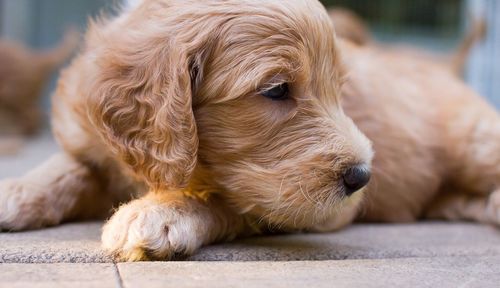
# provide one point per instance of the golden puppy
(226, 118)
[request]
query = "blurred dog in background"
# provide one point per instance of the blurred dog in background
(23, 75)
(352, 27)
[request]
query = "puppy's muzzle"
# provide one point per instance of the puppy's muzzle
(355, 178)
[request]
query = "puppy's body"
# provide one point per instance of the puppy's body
(175, 108)
(429, 132)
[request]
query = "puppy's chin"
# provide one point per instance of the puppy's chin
(300, 209)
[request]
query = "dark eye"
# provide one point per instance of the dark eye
(277, 93)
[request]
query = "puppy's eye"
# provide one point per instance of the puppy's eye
(277, 93)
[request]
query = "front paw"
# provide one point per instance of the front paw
(146, 229)
(21, 208)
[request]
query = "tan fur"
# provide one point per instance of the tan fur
(430, 132)
(23, 74)
(164, 102)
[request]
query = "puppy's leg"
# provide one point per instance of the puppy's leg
(162, 225)
(484, 209)
(60, 189)
(474, 193)
(475, 146)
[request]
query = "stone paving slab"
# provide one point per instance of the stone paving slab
(80, 243)
(402, 272)
(460, 271)
(67, 243)
(365, 241)
(72, 275)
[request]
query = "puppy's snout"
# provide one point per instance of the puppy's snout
(355, 178)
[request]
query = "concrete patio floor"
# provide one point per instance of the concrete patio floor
(429, 254)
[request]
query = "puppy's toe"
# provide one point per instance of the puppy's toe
(146, 230)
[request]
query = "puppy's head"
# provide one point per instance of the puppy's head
(239, 96)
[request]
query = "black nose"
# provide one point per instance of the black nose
(355, 178)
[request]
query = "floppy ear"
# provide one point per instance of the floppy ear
(140, 101)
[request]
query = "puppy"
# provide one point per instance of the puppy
(226, 119)
(23, 74)
(350, 26)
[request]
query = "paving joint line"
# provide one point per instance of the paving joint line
(118, 276)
